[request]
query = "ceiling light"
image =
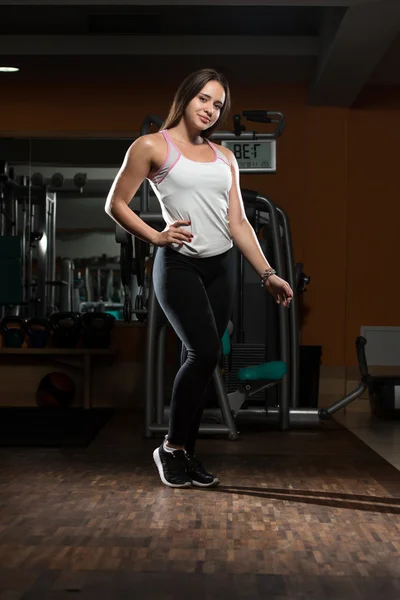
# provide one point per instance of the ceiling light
(8, 69)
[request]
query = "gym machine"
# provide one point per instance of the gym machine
(255, 154)
(27, 246)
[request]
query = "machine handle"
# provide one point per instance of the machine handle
(361, 342)
(249, 196)
(148, 122)
(267, 116)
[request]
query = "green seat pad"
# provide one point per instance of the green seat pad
(226, 343)
(273, 371)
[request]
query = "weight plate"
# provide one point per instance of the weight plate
(126, 262)
(121, 236)
(140, 255)
(127, 309)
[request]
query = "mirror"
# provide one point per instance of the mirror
(77, 174)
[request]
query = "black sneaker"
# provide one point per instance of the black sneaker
(198, 474)
(172, 467)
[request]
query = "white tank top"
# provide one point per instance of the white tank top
(197, 192)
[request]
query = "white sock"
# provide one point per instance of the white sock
(167, 449)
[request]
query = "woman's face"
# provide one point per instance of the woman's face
(205, 108)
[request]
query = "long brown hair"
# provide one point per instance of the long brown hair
(188, 89)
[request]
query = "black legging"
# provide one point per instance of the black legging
(196, 295)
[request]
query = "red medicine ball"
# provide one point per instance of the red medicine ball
(55, 390)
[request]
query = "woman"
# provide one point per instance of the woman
(197, 184)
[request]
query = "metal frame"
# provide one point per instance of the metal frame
(294, 367)
(44, 220)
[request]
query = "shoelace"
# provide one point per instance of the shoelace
(179, 460)
(194, 463)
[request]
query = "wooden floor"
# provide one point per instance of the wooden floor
(299, 515)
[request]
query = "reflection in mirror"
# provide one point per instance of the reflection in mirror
(64, 241)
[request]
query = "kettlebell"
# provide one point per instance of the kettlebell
(66, 329)
(38, 332)
(97, 328)
(13, 330)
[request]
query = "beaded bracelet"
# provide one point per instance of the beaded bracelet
(266, 275)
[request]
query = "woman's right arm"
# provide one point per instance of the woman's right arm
(135, 168)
